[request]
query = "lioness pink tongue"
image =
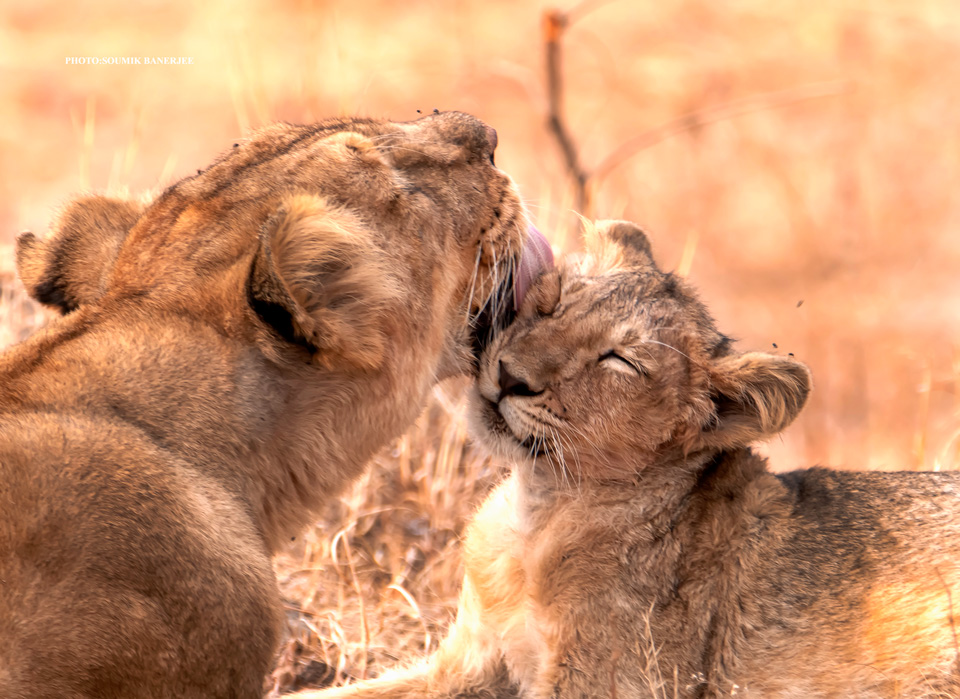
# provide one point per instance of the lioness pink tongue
(536, 257)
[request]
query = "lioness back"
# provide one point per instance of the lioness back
(230, 356)
(641, 549)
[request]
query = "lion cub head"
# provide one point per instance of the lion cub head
(334, 240)
(613, 365)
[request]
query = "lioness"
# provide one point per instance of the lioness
(641, 549)
(231, 356)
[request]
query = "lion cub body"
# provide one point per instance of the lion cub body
(231, 356)
(812, 584)
(641, 549)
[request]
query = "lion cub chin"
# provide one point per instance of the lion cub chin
(641, 549)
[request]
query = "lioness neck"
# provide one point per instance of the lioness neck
(280, 449)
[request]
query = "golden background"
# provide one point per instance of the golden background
(799, 162)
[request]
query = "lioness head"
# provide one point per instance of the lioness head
(333, 239)
(613, 365)
(287, 309)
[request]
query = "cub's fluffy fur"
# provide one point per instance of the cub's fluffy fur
(641, 549)
(230, 357)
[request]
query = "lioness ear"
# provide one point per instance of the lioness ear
(756, 396)
(71, 266)
(321, 282)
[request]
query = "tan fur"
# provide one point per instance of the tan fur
(344, 316)
(231, 356)
(641, 549)
(90, 231)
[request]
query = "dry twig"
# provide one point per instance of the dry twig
(554, 23)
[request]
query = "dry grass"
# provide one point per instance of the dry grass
(376, 581)
(798, 161)
(19, 315)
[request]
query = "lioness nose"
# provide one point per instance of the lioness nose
(511, 385)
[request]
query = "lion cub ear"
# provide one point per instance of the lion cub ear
(618, 244)
(71, 266)
(756, 395)
(321, 282)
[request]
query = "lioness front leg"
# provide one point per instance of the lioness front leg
(421, 681)
(459, 669)
(470, 661)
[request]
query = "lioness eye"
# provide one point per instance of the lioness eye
(620, 363)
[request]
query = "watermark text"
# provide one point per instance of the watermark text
(129, 60)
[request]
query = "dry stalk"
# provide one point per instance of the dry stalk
(342, 535)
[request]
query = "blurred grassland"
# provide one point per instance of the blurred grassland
(797, 161)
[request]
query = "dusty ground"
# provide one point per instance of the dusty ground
(798, 161)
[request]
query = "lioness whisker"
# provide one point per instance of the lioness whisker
(473, 284)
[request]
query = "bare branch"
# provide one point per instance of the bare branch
(554, 23)
(711, 115)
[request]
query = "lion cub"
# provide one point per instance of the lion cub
(641, 549)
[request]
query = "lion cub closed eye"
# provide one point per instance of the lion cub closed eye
(641, 549)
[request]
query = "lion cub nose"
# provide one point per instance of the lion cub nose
(511, 385)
